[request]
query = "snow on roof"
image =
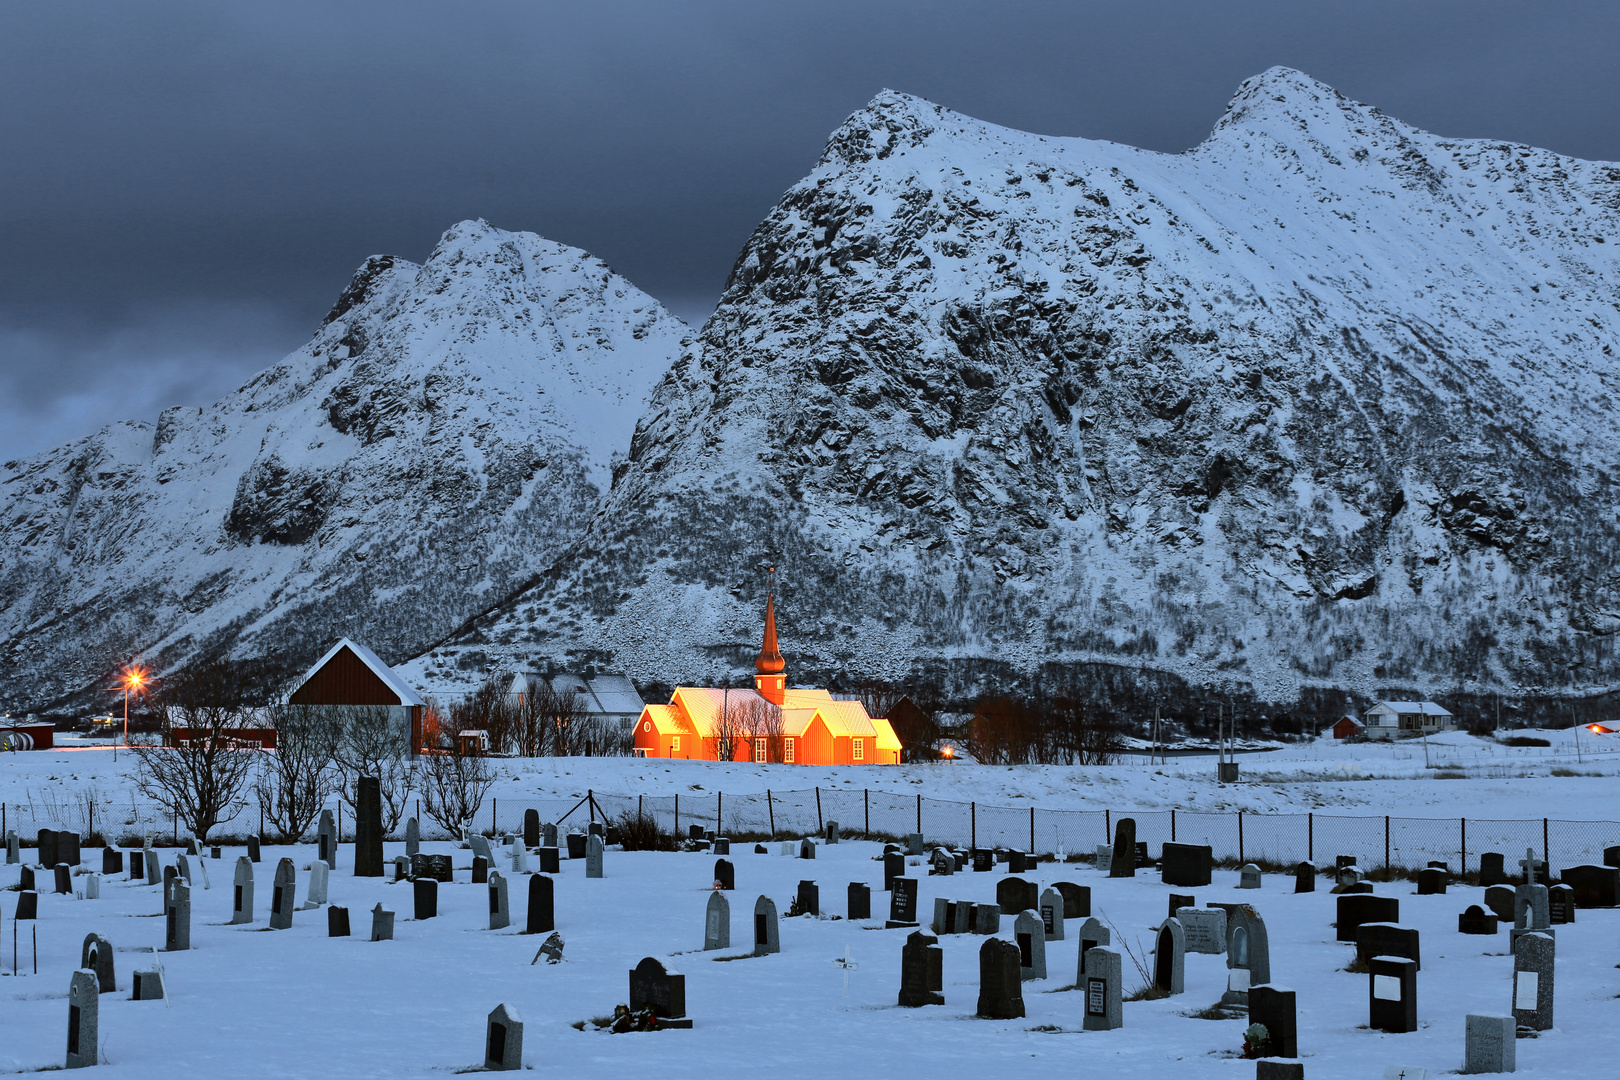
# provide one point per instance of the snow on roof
(609, 695)
(1427, 708)
(399, 686)
(704, 706)
(616, 694)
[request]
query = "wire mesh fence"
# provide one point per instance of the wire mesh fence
(1394, 843)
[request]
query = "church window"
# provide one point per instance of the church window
(860, 749)
(674, 744)
(787, 751)
(759, 750)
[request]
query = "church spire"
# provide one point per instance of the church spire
(769, 665)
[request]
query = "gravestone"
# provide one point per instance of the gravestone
(661, 990)
(807, 848)
(182, 863)
(1266, 1069)
(944, 921)
(1170, 958)
(914, 843)
(1104, 858)
(1431, 882)
(922, 967)
(1357, 908)
(1001, 990)
(1123, 861)
(894, 865)
(722, 845)
(1273, 1008)
(599, 828)
(382, 924)
(1611, 856)
(315, 896)
(281, 895)
(1076, 899)
(1488, 1044)
(941, 864)
(45, 851)
(437, 867)
(242, 892)
(67, 848)
(860, 901)
(1490, 869)
(1499, 898)
(84, 1013)
(984, 860)
(112, 860)
(593, 857)
(503, 1040)
(531, 828)
(1530, 908)
(500, 905)
(1534, 869)
(1248, 876)
(193, 849)
(1248, 954)
(13, 848)
(97, 956)
(1205, 929)
(761, 849)
(831, 832)
(425, 894)
(1348, 876)
(171, 877)
(154, 871)
(177, 919)
(1387, 939)
(147, 986)
(402, 868)
(1187, 865)
(137, 865)
(1016, 894)
(326, 840)
(253, 849)
(1052, 914)
(903, 903)
(548, 834)
(542, 906)
(1018, 862)
(576, 845)
(480, 870)
(725, 875)
(1533, 981)
(64, 878)
(337, 921)
(520, 858)
(765, 933)
(693, 832)
(717, 923)
(1392, 994)
(92, 886)
(1305, 878)
(1476, 921)
(1030, 938)
(1102, 989)
(1092, 935)
(480, 848)
(368, 830)
(788, 849)
(961, 919)
(413, 838)
(1595, 886)
(809, 898)
(987, 918)
(27, 907)
(1560, 905)
(550, 860)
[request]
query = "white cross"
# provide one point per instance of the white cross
(1529, 864)
(848, 965)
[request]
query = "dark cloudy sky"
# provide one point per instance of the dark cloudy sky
(185, 188)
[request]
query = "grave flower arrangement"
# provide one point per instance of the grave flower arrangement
(1256, 1041)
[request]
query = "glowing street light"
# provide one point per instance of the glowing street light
(134, 679)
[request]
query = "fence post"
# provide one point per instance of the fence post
(1108, 825)
(820, 828)
(88, 833)
(1462, 866)
(1240, 836)
(866, 804)
(919, 814)
(494, 825)
(770, 808)
(1386, 842)
(1172, 824)
(1310, 838)
(1032, 830)
(677, 817)
(590, 797)
(719, 805)
(973, 818)
(1546, 856)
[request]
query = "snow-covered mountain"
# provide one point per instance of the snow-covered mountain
(446, 432)
(1326, 401)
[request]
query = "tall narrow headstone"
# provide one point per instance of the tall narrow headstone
(480, 870)
(326, 840)
(182, 863)
(253, 849)
(1030, 937)
(368, 831)
(1123, 860)
(725, 875)
(894, 865)
(64, 878)
(1392, 994)
(1101, 986)
(1248, 954)
(413, 838)
(27, 906)
(480, 848)
(808, 900)
(282, 898)
(137, 865)
(67, 848)
(319, 872)
(1488, 1044)
(1092, 934)
(903, 903)
(859, 901)
(531, 828)
(1052, 914)
(548, 835)
(425, 893)
(154, 872)
(500, 908)
(717, 922)
(766, 939)
(593, 857)
(576, 845)
(1305, 877)
(97, 956)
(922, 971)
(92, 886)
(13, 848)
(337, 921)
(831, 833)
(84, 1014)
(1533, 981)
(1491, 871)
(541, 916)
(177, 919)
(503, 1040)
(242, 892)
(550, 860)
(1170, 958)
(520, 859)
(382, 924)
(1001, 990)
(46, 849)
(112, 860)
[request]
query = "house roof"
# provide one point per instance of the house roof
(396, 685)
(1403, 708)
(705, 705)
(610, 695)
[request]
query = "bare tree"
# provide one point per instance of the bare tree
(454, 783)
(294, 782)
(369, 741)
(568, 720)
(201, 767)
(531, 720)
(762, 721)
(1084, 736)
(488, 709)
(731, 727)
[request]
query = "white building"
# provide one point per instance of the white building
(611, 700)
(1400, 719)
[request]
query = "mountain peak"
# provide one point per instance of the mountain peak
(1282, 100)
(890, 122)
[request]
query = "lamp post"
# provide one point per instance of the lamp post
(134, 679)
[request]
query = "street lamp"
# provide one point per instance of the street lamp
(134, 679)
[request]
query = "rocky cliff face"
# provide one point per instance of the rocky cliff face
(1324, 401)
(446, 432)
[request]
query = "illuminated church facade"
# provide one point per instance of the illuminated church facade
(771, 723)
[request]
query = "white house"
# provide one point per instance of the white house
(610, 699)
(1399, 719)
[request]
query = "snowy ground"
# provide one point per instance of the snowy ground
(250, 1002)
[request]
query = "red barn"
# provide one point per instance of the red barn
(351, 674)
(1346, 727)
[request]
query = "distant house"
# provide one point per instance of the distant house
(351, 674)
(610, 700)
(1400, 719)
(1346, 727)
(257, 728)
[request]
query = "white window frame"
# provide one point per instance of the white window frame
(674, 744)
(760, 756)
(859, 750)
(787, 751)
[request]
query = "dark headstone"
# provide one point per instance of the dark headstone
(1273, 1007)
(655, 987)
(1431, 882)
(1500, 899)
(1187, 865)
(921, 971)
(64, 878)
(480, 870)
(1177, 900)
(253, 848)
(1001, 986)
(67, 848)
(725, 875)
(1266, 1069)
(1476, 920)
(1490, 869)
(1387, 939)
(531, 828)
(425, 891)
(27, 906)
(1392, 994)
(1124, 863)
(542, 910)
(1016, 862)
(860, 900)
(1611, 856)
(760, 849)
(46, 851)
(27, 883)
(368, 830)
(550, 860)
(903, 901)
(1340, 862)
(984, 860)
(137, 866)
(599, 828)
(1356, 887)
(894, 865)
(112, 860)
(1560, 904)
(693, 832)
(1357, 908)
(809, 898)
(1595, 886)
(337, 921)
(1076, 899)
(1016, 894)
(1305, 877)
(576, 845)
(437, 867)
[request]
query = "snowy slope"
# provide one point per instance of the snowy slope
(1324, 401)
(445, 432)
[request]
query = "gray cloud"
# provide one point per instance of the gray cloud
(170, 157)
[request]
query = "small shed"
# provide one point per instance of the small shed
(26, 735)
(1346, 727)
(352, 675)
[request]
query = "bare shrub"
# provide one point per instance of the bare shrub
(369, 742)
(639, 831)
(454, 784)
(294, 781)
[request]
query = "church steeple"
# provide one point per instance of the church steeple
(769, 665)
